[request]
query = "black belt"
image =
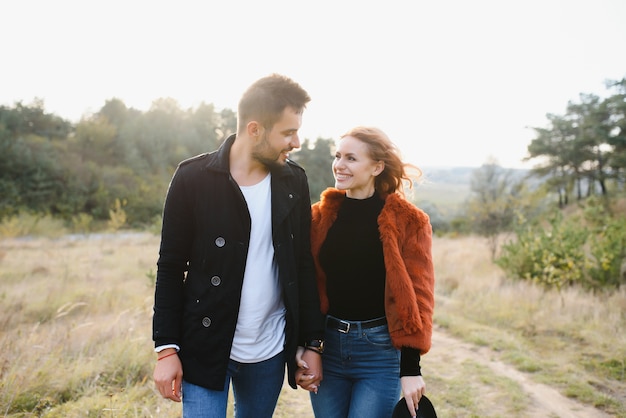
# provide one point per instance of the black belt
(344, 326)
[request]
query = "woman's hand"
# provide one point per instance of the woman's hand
(413, 387)
(309, 373)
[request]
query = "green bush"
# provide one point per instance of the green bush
(587, 250)
(552, 256)
(607, 244)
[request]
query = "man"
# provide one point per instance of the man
(235, 291)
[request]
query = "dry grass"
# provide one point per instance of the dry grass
(573, 341)
(75, 330)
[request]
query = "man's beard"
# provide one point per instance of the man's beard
(261, 157)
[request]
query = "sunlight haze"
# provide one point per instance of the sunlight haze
(453, 83)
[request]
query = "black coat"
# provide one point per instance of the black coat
(204, 245)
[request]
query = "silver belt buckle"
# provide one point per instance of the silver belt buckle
(347, 326)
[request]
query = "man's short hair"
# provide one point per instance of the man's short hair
(266, 99)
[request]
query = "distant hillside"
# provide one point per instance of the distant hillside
(446, 188)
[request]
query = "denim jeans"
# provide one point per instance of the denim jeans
(256, 387)
(361, 374)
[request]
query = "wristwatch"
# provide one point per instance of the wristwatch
(315, 345)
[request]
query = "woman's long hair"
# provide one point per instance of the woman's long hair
(396, 172)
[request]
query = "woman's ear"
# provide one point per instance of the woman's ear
(380, 167)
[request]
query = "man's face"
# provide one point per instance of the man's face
(274, 146)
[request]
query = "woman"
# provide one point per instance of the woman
(372, 250)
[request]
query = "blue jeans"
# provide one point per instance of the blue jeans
(361, 374)
(256, 387)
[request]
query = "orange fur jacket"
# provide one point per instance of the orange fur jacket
(406, 235)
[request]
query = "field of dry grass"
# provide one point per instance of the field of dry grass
(75, 341)
(572, 342)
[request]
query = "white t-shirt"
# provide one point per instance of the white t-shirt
(260, 332)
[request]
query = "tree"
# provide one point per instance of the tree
(591, 120)
(316, 159)
(95, 140)
(555, 146)
(495, 197)
(30, 161)
(32, 119)
(616, 106)
(203, 133)
(586, 147)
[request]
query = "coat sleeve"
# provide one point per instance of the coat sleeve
(417, 253)
(172, 263)
(406, 234)
(311, 318)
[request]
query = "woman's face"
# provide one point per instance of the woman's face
(353, 168)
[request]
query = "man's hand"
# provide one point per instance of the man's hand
(309, 373)
(168, 375)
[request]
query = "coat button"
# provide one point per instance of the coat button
(216, 281)
(206, 322)
(290, 196)
(219, 241)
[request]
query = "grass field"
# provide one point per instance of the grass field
(75, 329)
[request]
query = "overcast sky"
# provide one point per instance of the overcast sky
(452, 82)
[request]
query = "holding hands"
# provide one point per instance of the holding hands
(309, 373)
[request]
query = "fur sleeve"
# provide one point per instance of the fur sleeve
(406, 233)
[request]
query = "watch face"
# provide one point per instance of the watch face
(320, 345)
(317, 344)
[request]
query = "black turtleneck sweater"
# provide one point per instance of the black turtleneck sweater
(352, 258)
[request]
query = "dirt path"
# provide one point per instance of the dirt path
(547, 402)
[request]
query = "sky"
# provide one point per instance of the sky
(452, 82)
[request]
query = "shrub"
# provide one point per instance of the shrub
(552, 256)
(30, 223)
(588, 250)
(607, 245)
